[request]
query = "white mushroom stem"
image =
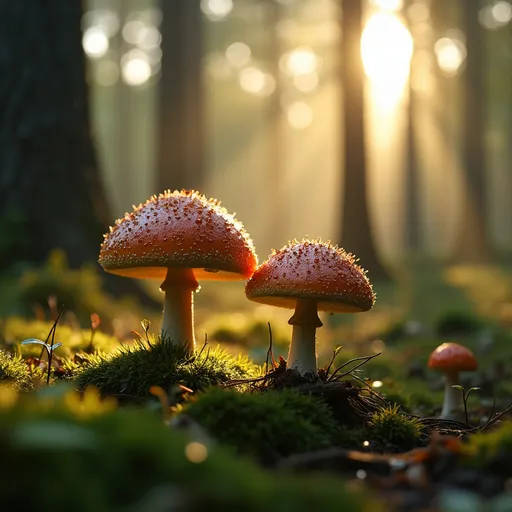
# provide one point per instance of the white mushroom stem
(305, 321)
(178, 315)
(452, 403)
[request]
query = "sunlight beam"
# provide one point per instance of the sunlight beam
(386, 50)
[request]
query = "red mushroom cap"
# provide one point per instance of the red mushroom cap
(452, 357)
(179, 230)
(312, 270)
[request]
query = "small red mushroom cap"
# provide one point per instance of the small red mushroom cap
(312, 270)
(452, 357)
(180, 229)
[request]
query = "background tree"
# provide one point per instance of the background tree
(356, 230)
(180, 122)
(472, 242)
(51, 193)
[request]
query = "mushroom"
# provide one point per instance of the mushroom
(179, 237)
(310, 276)
(451, 359)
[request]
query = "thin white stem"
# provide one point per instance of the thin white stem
(178, 313)
(302, 353)
(452, 404)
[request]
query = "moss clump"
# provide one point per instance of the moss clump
(391, 427)
(14, 372)
(85, 456)
(134, 369)
(265, 425)
(489, 447)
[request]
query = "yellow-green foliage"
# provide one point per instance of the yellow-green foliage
(66, 454)
(134, 369)
(390, 426)
(79, 290)
(15, 330)
(484, 446)
(267, 424)
(14, 372)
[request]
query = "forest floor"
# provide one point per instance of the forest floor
(370, 422)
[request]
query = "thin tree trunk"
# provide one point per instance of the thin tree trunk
(181, 131)
(51, 193)
(276, 190)
(472, 244)
(356, 231)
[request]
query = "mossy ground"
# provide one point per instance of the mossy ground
(14, 372)
(66, 452)
(133, 369)
(266, 425)
(493, 447)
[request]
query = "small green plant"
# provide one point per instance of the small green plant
(265, 425)
(14, 372)
(133, 369)
(17, 329)
(465, 396)
(390, 426)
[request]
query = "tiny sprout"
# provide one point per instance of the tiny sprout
(49, 350)
(95, 321)
(146, 324)
(465, 396)
(34, 341)
(52, 304)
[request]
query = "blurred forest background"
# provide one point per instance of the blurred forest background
(382, 125)
(243, 100)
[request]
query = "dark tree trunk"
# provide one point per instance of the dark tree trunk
(356, 231)
(51, 194)
(472, 244)
(181, 131)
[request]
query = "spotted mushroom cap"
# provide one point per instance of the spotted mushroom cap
(312, 270)
(454, 357)
(180, 229)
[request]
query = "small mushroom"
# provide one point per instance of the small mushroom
(179, 237)
(310, 276)
(451, 359)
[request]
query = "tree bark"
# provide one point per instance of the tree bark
(181, 130)
(356, 229)
(472, 240)
(51, 194)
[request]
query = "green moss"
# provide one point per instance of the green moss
(14, 372)
(352, 438)
(67, 454)
(267, 424)
(391, 427)
(134, 369)
(485, 446)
